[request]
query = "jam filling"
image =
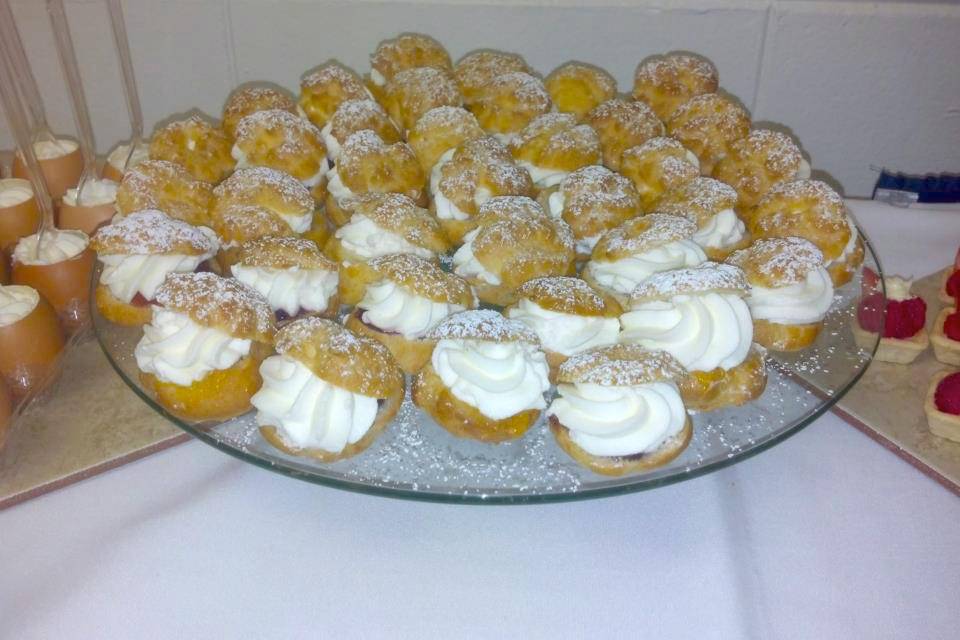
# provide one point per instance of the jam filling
(947, 395)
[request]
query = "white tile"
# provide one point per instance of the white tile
(865, 86)
(181, 60)
(302, 35)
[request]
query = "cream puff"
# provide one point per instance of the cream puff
(325, 88)
(123, 157)
(514, 241)
(759, 161)
(240, 222)
(58, 264)
(552, 146)
(568, 316)
(356, 115)
(618, 410)
(368, 164)
(485, 379)
(474, 70)
(328, 393)
(198, 146)
(280, 140)
(413, 92)
(30, 340)
(656, 167)
(577, 87)
(713, 206)
(439, 132)
(466, 177)
(629, 254)
(61, 164)
(707, 125)
(292, 274)
(250, 99)
(592, 200)
(276, 191)
(699, 316)
(381, 224)
(666, 82)
(507, 103)
(87, 209)
(200, 354)
(811, 209)
(158, 184)
(404, 298)
(19, 213)
(406, 51)
(137, 252)
(945, 337)
(790, 291)
(622, 124)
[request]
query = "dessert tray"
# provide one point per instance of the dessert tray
(416, 459)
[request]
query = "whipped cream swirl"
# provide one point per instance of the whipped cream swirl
(127, 275)
(290, 290)
(851, 243)
(310, 413)
(176, 349)
(119, 155)
(394, 309)
(722, 230)
(50, 149)
(466, 265)
(555, 203)
(500, 379)
(330, 141)
(16, 303)
(565, 333)
(619, 421)
(57, 245)
(799, 303)
(335, 186)
(702, 331)
(622, 276)
(364, 238)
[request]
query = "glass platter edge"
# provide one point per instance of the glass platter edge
(597, 487)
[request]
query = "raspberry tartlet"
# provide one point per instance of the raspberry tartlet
(945, 336)
(942, 405)
(950, 285)
(899, 318)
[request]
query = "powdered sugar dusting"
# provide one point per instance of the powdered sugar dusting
(482, 324)
(150, 232)
(709, 276)
(643, 233)
(299, 136)
(250, 180)
(779, 261)
(620, 365)
(210, 299)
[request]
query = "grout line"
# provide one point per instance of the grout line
(231, 44)
(760, 60)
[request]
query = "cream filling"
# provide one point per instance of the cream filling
(16, 303)
(619, 421)
(14, 191)
(176, 349)
(395, 309)
(335, 186)
(56, 246)
(365, 239)
(544, 177)
(622, 276)
(119, 155)
(466, 265)
(330, 141)
(722, 230)
(127, 275)
(500, 379)
(290, 290)
(565, 333)
(803, 302)
(702, 331)
(95, 193)
(310, 413)
(52, 149)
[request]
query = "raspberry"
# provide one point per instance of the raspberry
(947, 395)
(953, 285)
(904, 317)
(870, 313)
(951, 326)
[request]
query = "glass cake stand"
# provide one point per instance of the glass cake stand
(416, 459)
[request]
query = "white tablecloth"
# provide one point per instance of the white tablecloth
(827, 535)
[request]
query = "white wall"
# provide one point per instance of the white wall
(860, 83)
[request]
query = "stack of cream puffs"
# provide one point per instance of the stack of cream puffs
(641, 251)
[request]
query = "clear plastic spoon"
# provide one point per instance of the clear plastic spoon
(38, 127)
(20, 128)
(129, 81)
(71, 73)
